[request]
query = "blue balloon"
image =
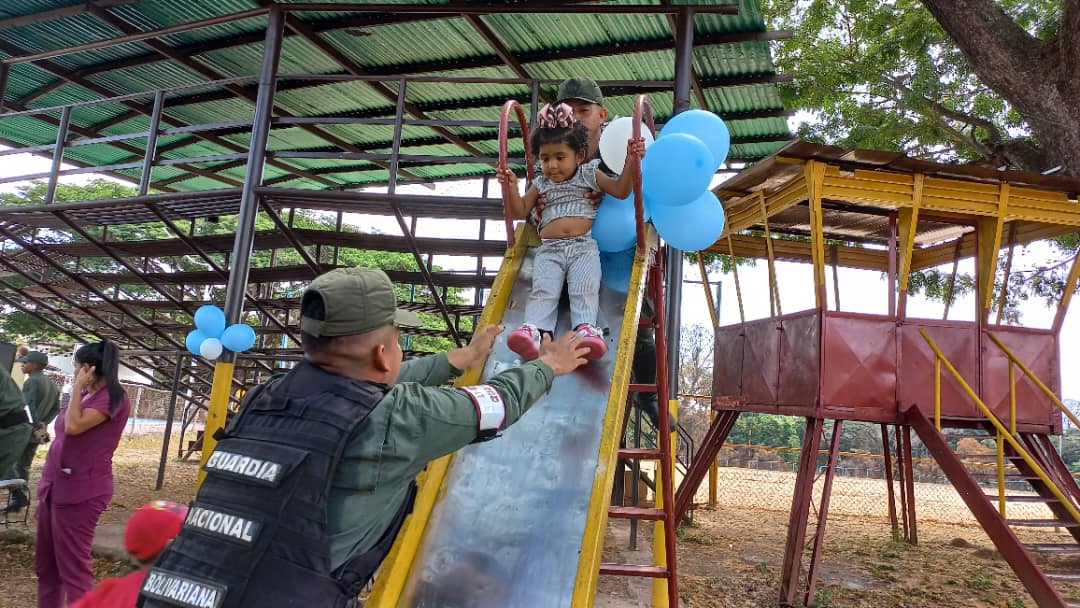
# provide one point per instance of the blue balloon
(614, 227)
(691, 227)
(210, 320)
(194, 340)
(707, 127)
(615, 269)
(676, 169)
(238, 337)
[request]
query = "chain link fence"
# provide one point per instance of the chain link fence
(763, 477)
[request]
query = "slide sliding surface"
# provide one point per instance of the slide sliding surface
(519, 521)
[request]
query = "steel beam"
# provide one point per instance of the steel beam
(167, 51)
(531, 7)
(611, 88)
(134, 37)
(823, 514)
(684, 63)
(58, 154)
(370, 20)
(973, 495)
(249, 201)
(136, 152)
(151, 142)
(909, 483)
(79, 278)
(59, 13)
(800, 512)
(58, 313)
(171, 412)
(888, 465)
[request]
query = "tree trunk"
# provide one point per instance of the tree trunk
(1040, 78)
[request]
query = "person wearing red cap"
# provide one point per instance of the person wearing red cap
(149, 530)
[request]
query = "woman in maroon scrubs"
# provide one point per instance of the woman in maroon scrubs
(76, 482)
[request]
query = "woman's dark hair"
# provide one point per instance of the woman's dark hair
(105, 357)
(576, 136)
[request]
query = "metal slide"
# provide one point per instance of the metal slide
(519, 521)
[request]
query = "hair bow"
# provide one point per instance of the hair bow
(559, 115)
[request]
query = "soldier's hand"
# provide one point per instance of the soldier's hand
(565, 354)
(481, 345)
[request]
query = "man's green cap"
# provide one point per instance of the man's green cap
(356, 300)
(581, 88)
(34, 356)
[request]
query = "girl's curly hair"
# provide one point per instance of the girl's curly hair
(557, 125)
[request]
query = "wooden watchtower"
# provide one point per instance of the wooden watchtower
(885, 212)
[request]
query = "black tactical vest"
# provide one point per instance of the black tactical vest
(256, 533)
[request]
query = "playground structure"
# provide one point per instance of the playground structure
(286, 110)
(888, 213)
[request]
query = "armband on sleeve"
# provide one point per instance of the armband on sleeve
(490, 409)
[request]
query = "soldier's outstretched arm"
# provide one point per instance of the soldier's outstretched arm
(441, 420)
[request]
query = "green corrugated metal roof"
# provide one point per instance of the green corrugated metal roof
(625, 47)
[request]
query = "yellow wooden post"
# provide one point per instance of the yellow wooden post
(1001, 471)
(735, 275)
(715, 316)
(1070, 286)
(1008, 271)
(990, 229)
(815, 176)
(216, 413)
(659, 549)
(774, 289)
(908, 224)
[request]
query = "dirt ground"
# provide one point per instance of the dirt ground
(730, 557)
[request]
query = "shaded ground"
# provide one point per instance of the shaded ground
(731, 557)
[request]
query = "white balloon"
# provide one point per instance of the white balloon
(210, 348)
(613, 141)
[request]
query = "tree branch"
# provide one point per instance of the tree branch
(999, 50)
(947, 112)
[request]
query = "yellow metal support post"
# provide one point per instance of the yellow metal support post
(908, 224)
(774, 289)
(1001, 473)
(937, 393)
(715, 316)
(216, 413)
(735, 275)
(815, 178)
(659, 550)
(990, 230)
(1002, 431)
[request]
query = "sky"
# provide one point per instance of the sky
(860, 290)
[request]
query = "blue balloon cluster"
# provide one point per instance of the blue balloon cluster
(675, 174)
(211, 335)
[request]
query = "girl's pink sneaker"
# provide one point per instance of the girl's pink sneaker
(525, 341)
(592, 337)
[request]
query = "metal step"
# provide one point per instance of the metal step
(636, 513)
(979, 436)
(640, 453)
(1053, 548)
(1019, 498)
(1024, 476)
(634, 570)
(1042, 523)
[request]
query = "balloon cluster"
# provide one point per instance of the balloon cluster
(675, 175)
(210, 335)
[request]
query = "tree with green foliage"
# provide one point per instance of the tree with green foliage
(989, 82)
(992, 82)
(25, 327)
